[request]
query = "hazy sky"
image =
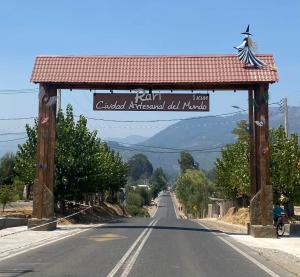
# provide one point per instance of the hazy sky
(29, 28)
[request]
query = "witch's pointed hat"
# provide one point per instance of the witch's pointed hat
(247, 32)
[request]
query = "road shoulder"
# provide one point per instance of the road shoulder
(18, 240)
(283, 252)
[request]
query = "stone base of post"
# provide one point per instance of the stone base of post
(263, 231)
(44, 224)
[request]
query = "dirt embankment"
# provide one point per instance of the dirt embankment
(21, 212)
(96, 214)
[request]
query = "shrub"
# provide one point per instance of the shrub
(7, 195)
(136, 211)
(145, 194)
(134, 199)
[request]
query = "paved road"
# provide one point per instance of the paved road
(160, 246)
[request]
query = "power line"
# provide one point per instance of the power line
(13, 139)
(18, 118)
(162, 152)
(168, 148)
(158, 120)
(138, 121)
(8, 134)
(17, 91)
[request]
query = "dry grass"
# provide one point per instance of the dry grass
(240, 216)
(17, 212)
(97, 214)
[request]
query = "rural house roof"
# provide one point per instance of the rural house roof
(113, 70)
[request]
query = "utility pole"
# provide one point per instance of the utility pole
(286, 124)
(284, 109)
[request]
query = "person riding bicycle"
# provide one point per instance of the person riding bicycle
(277, 213)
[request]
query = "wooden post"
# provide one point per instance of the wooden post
(256, 137)
(43, 201)
(263, 153)
(253, 188)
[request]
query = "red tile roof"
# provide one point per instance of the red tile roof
(213, 69)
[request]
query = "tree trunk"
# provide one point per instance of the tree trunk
(101, 197)
(62, 206)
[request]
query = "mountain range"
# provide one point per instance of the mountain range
(202, 137)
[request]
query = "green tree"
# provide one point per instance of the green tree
(76, 158)
(159, 181)
(232, 168)
(145, 194)
(139, 167)
(134, 199)
(285, 172)
(83, 164)
(241, 131)
(232, 174)
(7, 195)
(187, 161)
(7, 169)
(232, 171)
(25, 164)
(192, 190)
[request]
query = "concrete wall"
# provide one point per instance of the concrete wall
(8, 222)
(295, 230)
(219, 208)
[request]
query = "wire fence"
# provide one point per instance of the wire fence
(48, 223)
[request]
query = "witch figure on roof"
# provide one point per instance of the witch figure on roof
(246, 49)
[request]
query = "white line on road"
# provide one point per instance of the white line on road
(127, 254)
(133, 258)
(175, 210)
(256, 262)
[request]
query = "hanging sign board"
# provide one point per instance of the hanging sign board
(145, 101)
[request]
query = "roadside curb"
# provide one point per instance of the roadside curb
(279, 259)
(233, 227)
(175, 201)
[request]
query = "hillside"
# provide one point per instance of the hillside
(194, 135)
(198, 134)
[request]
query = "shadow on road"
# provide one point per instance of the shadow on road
(117, 223)
(14, 272)
(173, 228)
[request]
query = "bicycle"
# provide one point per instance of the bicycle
(280, 227)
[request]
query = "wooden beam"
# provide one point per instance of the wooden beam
(154, 86)
(262, 152)
(256, 137)
(253, 188)
(43, 201)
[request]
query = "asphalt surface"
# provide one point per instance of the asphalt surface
(159, 246)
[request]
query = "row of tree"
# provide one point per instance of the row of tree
(232, 168)
(85, 168)
(144, 183)
(84, 165)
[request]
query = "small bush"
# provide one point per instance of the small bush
(145, 194)
(7, 194)
(136, 211)
(133, 210)
(134, 199)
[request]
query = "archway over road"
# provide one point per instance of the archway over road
(191, 72)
